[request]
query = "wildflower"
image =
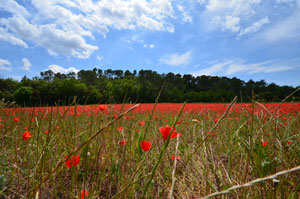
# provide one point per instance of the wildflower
(146, 145)
(165, 131)
(120, 128)
(173, 157)
(33, 119)
(73, 161)
(216, 120)
(289, 141)
(16, 119)
(84, 193)
(102, 107)
(47, 131)
(141, 123)
(122, 142)
(26, 135)
(264, 143)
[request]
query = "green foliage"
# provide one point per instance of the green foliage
(23, 95)
(117, 86)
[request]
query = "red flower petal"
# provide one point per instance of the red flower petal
(146, 145)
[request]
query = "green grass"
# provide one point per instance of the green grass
(232, 155)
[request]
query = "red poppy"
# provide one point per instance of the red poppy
(120, 128)
(33, 119)
(26, 135)
(141, 123)
(175, 135)
(84, 193)
(122, 142)
(165, 131)
(173, 157)
(146, 145)
(47, 131)
(102, 107)
(264, 143)
(216, 120)
(16, 119)
(74, 160)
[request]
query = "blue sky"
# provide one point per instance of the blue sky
(248, 39)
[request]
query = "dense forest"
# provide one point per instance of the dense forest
(117, 86)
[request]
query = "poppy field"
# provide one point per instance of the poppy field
(149, 150)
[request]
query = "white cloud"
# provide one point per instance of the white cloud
(230, 67)
(229, 15)
(26, 64)
(3, 65)
(99, 58)
(149, 46)
(13, 7)
(5, 36)
(214, 69)
(62, 26)
(232, 23)
(285, 29)
(255, 26)
(186, 16)
(177, 59)
(58, 69)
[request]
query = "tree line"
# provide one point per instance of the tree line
(118, 86)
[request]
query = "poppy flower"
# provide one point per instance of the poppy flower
(173, 157)
(73, 161)
(102, 107)
(122, 142)
(16, 119)
(165, 131)
(216, 120)
(26, 135)
(141, 123)
(120, 128)
(84, 193)
(47, 131)
(146, 145)
(264, 143)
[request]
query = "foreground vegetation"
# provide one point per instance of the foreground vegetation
(116, 86)
(97, 152)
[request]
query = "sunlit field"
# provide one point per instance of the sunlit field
(99, 152)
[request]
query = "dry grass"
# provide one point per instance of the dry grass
(232, 154)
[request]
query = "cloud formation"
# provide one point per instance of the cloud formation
(5, 65)
(63, 26)
(26, 64)
(59, 69)
(177, 59)
(230, 67)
